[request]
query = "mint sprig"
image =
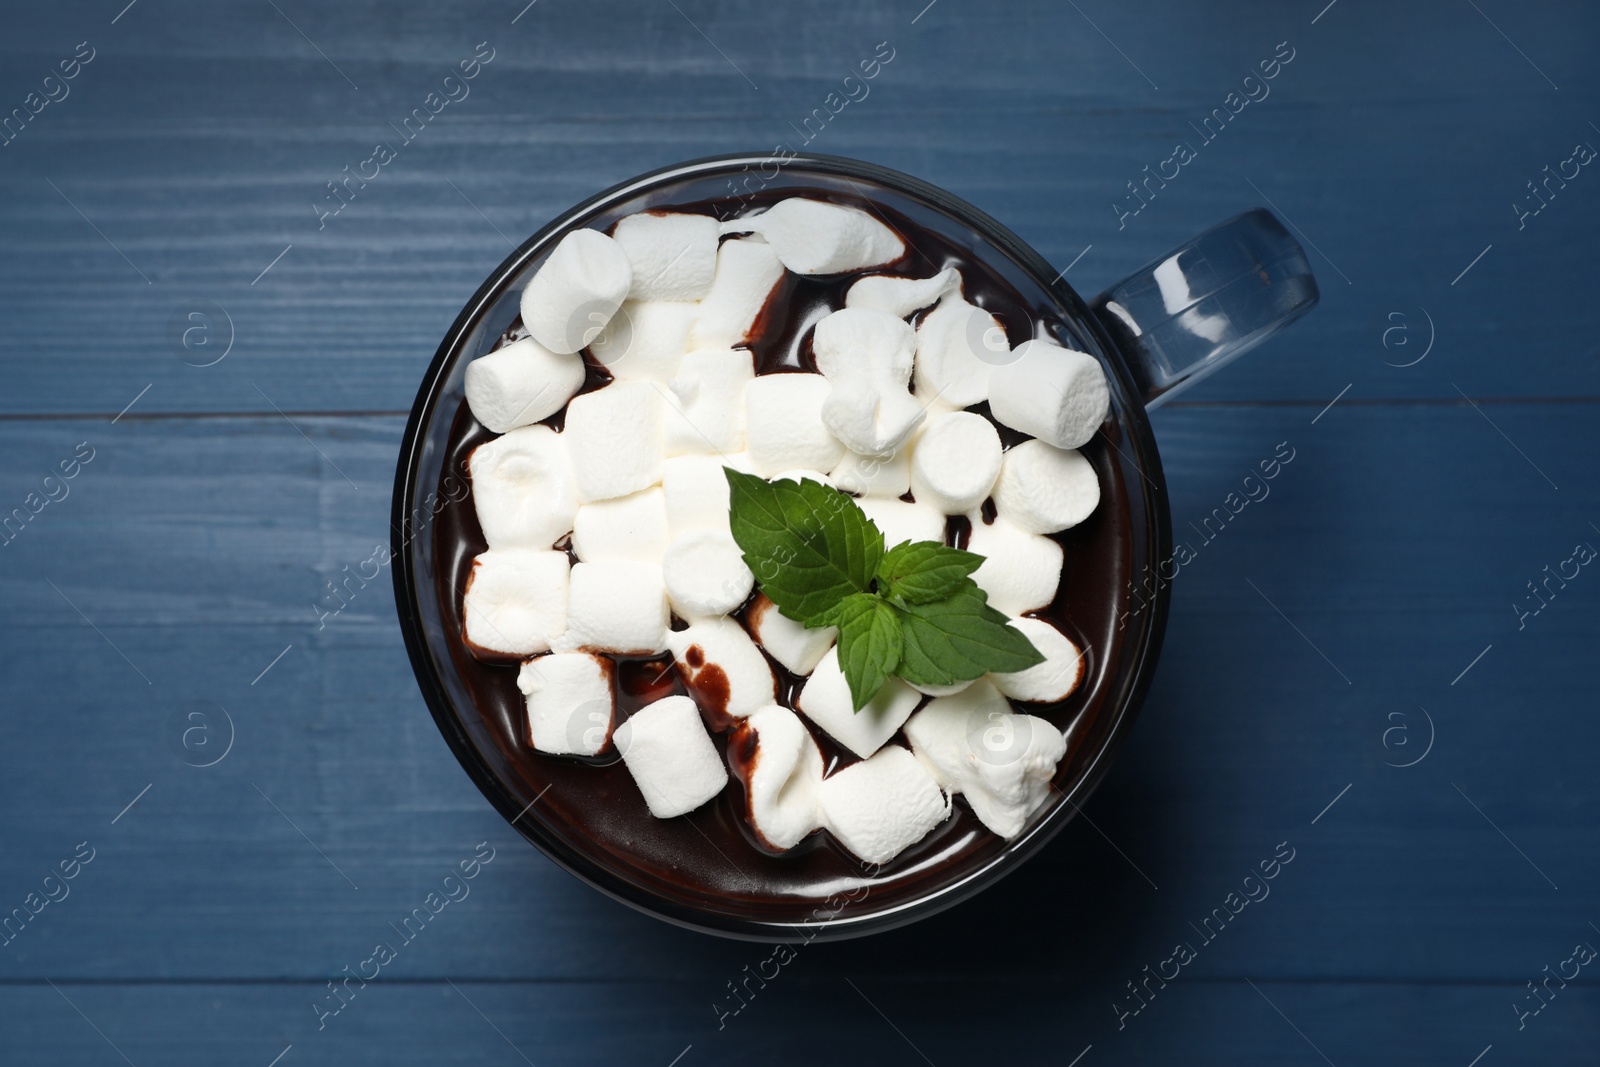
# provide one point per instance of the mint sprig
(922, 572)
(960, 638)
(913, 611)
(809, 546)
(870, 640)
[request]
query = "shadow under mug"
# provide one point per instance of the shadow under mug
(1170, 323)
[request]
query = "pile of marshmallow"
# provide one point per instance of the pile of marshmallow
(634, 483)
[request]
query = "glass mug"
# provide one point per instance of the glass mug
(1157, 331)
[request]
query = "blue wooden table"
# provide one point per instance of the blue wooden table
(1379, 678)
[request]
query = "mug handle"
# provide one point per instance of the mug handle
(1205, 304)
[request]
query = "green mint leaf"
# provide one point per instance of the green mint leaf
(921, 572)
(959, 639)
(808, 545)
(869, 644)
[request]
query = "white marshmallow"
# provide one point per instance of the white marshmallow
(520, 384)
(706, 574)
(796, 648)
(722, 667)
(942, 734)
(616, 439)
(576, 291)
(958, 347)
(783, 424)
(522, 488)
(936, 407)
(815, 237)
(705, 412)
(1020, 571)
(785, 775)
(825, 700)
(864, 344)
(673, 255)
(747, 272)
(1044, 489)
(696, 488)
(901, 297)
(873, 419)
(867, 356)
(880, 807)
(974, 744)
(874, 475)
(631, 528)
(1054, 679)
(1055, 394)
(615, 606)
(515, 601)
(571, 705)
(667, 750)
(645, 339)
(955, 462)
(901, 521)
(941, 690)
(802, 475)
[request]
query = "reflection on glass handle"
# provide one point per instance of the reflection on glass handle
(1210, 301)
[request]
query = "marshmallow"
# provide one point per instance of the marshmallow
(1055, 678)
(942, 733)
(631, 528)
(1020, 571)
(874, 475)
(901, 297)
(958, 347)
(955, 462)
(867, 355)
(864, 343)
(872, 418)
(575, 292)
(722, 667)
(645, 339)
(901, 521)
(667, 750)
(941, 690)
(571, 706)
(783, 423)
(784, 775)
(616, 606)
(797, 649)
(880, 807)
(616, 440)
(706, 574)
(520, 384)
(705, 412)
(1052, 393)
(696, 488)
(673, 255)
(1044, 489)
(825, 700)
(814, 237)
(747, 272)
(803, 475)
(522, 488)
(1002, 762)
(515, 601)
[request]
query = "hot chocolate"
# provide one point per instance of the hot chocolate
(762, 867)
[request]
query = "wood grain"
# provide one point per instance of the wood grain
(1319, 638)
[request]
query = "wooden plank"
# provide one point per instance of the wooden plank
(1368, 156)
(1047, 1020)
(1394, 540)
(1359, 617)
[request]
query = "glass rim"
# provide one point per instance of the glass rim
(1138, 658)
